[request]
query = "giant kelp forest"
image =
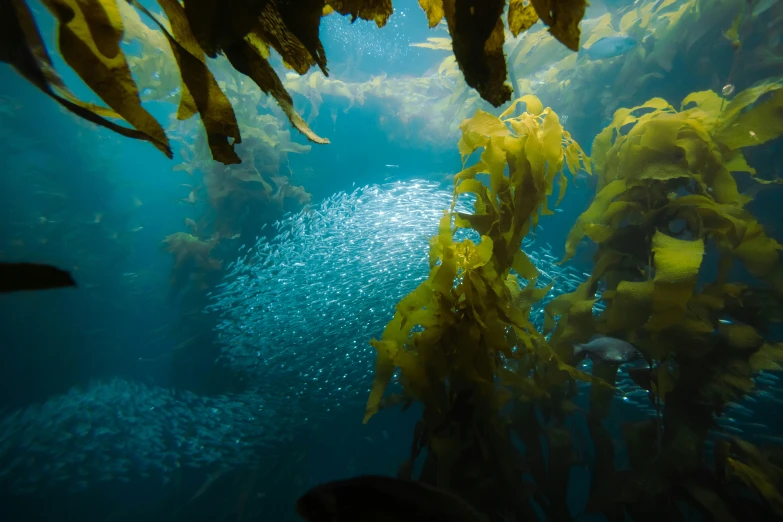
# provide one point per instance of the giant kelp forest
(681, 267)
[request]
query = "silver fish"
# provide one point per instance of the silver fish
(608, 349)
(609, 47)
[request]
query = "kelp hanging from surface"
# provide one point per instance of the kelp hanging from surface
(89, 34)
(477, 34)
(22, 47)
(90, 31)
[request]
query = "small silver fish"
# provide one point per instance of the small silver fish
(608, 349)
(609, 47)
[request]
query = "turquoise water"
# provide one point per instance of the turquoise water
(227, 383)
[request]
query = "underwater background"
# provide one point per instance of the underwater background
(214, 360)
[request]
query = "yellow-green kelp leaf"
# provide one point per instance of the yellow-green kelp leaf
(476, 30)
(216, 112)
(758, 481)
(760, 124)
(434, 11)
(89, 36)
(562, 17)
(677, 265)
(22, 47)
(768, 357)
(521, 16)
(471, 306)
(376, 10)
(594, 215)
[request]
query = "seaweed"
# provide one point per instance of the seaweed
(90, 33)
(656, 164)
(462, 344)
(192, 259)
(462, 340)
(22, 47)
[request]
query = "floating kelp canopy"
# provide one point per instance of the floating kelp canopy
(89, 35)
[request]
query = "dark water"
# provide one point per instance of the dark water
(221, 398)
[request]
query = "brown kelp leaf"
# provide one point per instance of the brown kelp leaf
(21, 46)
(300, 50)
(89, 36)
(301, 20)
(434, 11)
(32, 276)
(477, 32)
(562, 17)
(377, 10)
(216, 112)
(521, 16)
(247, 59)
(217, 24)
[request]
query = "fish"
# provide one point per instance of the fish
(383, 499)
(15, 277)
(609, 47)
(607, 349)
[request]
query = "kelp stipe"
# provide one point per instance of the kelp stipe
(462, 341)
(666, 189)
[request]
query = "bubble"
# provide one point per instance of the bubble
(728, 89)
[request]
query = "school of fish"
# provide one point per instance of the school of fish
(294, 316)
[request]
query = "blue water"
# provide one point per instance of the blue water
(138, 394)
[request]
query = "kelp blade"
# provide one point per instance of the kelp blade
(22, 47)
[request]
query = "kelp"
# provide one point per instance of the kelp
(200, 91)
(22, 47)
(90, 33)
(462, 340)
(686, 34)
(477, 35)
(657, 165)
(193, 260)
(476, 30)
(239, 199)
